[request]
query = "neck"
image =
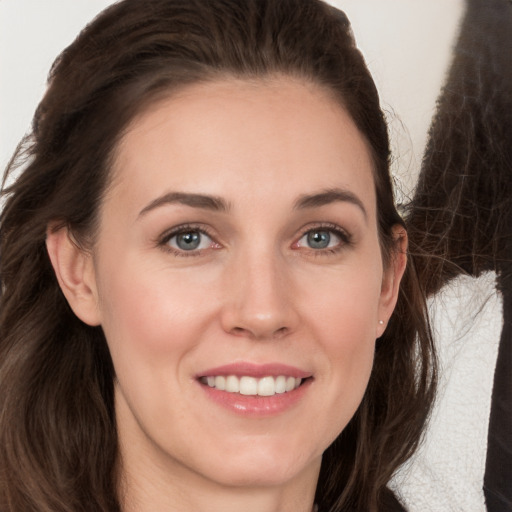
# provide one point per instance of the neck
(172, 479)
(144, 494)
(145, 489)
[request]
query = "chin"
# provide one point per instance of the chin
(263, 468)
(257, 477)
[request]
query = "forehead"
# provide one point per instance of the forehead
(236, 138)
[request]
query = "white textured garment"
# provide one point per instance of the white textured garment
(446, 474)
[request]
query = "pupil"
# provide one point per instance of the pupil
(319, 239)
(188, 241)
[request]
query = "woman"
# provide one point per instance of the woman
(205, 297)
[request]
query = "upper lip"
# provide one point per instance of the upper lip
(256, 370)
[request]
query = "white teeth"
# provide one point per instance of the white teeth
(232, 384)
(281, 384)
(220, 382)
(290, 383)
(248, 386)
(266, 386)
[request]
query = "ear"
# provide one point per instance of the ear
(391, 278)
(74, 270)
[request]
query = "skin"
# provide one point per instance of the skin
(254, 291)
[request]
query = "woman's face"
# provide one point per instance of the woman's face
(238, 248)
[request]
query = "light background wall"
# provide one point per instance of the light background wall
(407, 44)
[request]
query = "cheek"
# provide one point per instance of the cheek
(152, 313)
(344, 308)
(344, 318)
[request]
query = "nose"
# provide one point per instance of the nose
(259, 301)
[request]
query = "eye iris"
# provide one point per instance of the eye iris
(319, 239)
(188, 241)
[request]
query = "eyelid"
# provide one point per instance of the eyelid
(343, 234)
(163, 240)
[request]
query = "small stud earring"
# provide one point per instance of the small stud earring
(381, 322)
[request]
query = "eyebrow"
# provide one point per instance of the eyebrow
(215, 203)
(329, 196)
(206, 202)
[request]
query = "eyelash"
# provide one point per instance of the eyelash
(344, 236)
(164, 240)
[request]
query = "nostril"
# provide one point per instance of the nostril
(281, 332)
(278, 333)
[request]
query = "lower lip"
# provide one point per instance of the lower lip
(255, 405)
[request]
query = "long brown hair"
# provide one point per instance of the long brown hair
(58, 444)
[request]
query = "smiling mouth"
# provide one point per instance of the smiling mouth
(252, 386)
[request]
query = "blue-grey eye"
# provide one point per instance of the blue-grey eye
(320, 239)
(192, 240)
